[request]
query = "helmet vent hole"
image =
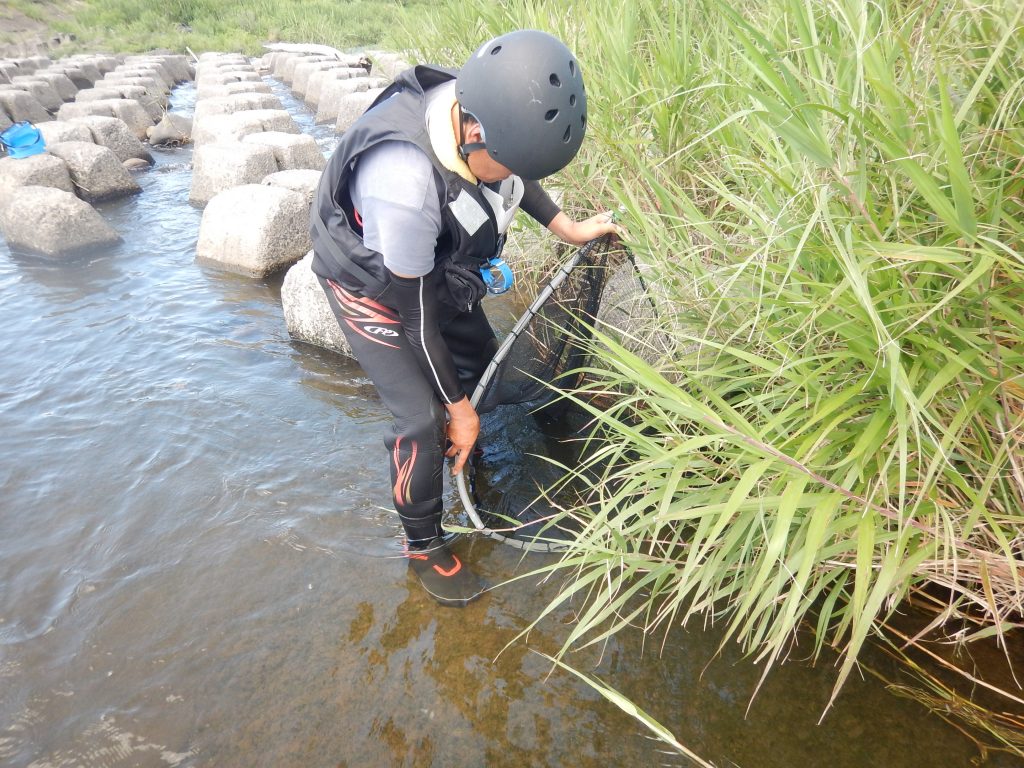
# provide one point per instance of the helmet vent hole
(554, 80)
(567, 135)
(572, 67)
(495, 50)
(572, 100)
(583, 119)
(550, 115)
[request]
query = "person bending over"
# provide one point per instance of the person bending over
(408, 215)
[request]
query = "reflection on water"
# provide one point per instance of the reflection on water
(199, 566)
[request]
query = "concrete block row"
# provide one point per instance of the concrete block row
(253, 170)
(46, 199)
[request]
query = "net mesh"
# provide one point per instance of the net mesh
(516, 397)
(545, 349)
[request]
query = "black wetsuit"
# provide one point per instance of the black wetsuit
(424, 341)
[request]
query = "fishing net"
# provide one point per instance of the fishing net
(524, 416)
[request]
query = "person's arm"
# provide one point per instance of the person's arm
(538, 204)
(580, 232)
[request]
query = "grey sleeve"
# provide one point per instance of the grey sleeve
(394, 192)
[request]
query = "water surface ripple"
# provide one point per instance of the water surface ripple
(199, 568)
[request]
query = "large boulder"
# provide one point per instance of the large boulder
(225, 128)
(112, 133)
(20, 105)
(307, 315)
(291, 150)
(56, 131)
(333, 92)
(95, 171)
(42, 170)
(306, 69)
(386, 64)
(61, 83)
(221, 166)
(172, 130)
(254, 230)
(40, 90)
(210, 90)
(239, 102)
(302, 181)
(154, 108)
(52, 222)
(317, 80)
(352, 106)
(287, 73)
(130, 111)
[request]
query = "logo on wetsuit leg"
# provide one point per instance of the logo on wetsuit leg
(376, 330)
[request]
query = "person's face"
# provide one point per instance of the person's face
(483, 166)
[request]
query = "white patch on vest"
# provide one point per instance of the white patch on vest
(468, 212)
(505, 202)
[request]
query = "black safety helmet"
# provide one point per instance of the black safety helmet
(526, 91)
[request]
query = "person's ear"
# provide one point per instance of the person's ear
(473, 133)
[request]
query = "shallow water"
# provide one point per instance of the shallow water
(199, 566)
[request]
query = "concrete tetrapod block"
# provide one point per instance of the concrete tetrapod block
(288, 67)
(41, 90)
(239, 102)
(315, 87)
(291, 150)
(112, 133)
(129, 110)
(56, 131)
(307, 315)
(42, 170)
(333, 92)
(53, 222)
(221, 166)
(304, 70)
(302, 181)
(95, 171)
(61, 84)
(254, 230)
(19, 105)
(154, 108)
(352, 106)
(5, 121)
(386, 64)
(210, 90)
(233, 127)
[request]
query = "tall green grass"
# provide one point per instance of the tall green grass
(829, 196)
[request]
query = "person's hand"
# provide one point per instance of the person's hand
(580, 232)
(463, 430)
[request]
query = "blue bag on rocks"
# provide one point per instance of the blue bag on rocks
(22, 140)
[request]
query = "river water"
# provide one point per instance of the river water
(198, 565)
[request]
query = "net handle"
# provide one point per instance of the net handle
(485, 380)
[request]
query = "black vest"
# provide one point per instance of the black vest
(469, 233)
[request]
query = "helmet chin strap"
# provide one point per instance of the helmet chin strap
(465, 149)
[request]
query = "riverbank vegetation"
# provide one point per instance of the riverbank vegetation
(829, 198)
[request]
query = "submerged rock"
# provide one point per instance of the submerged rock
(52, 222)
(307, 315)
